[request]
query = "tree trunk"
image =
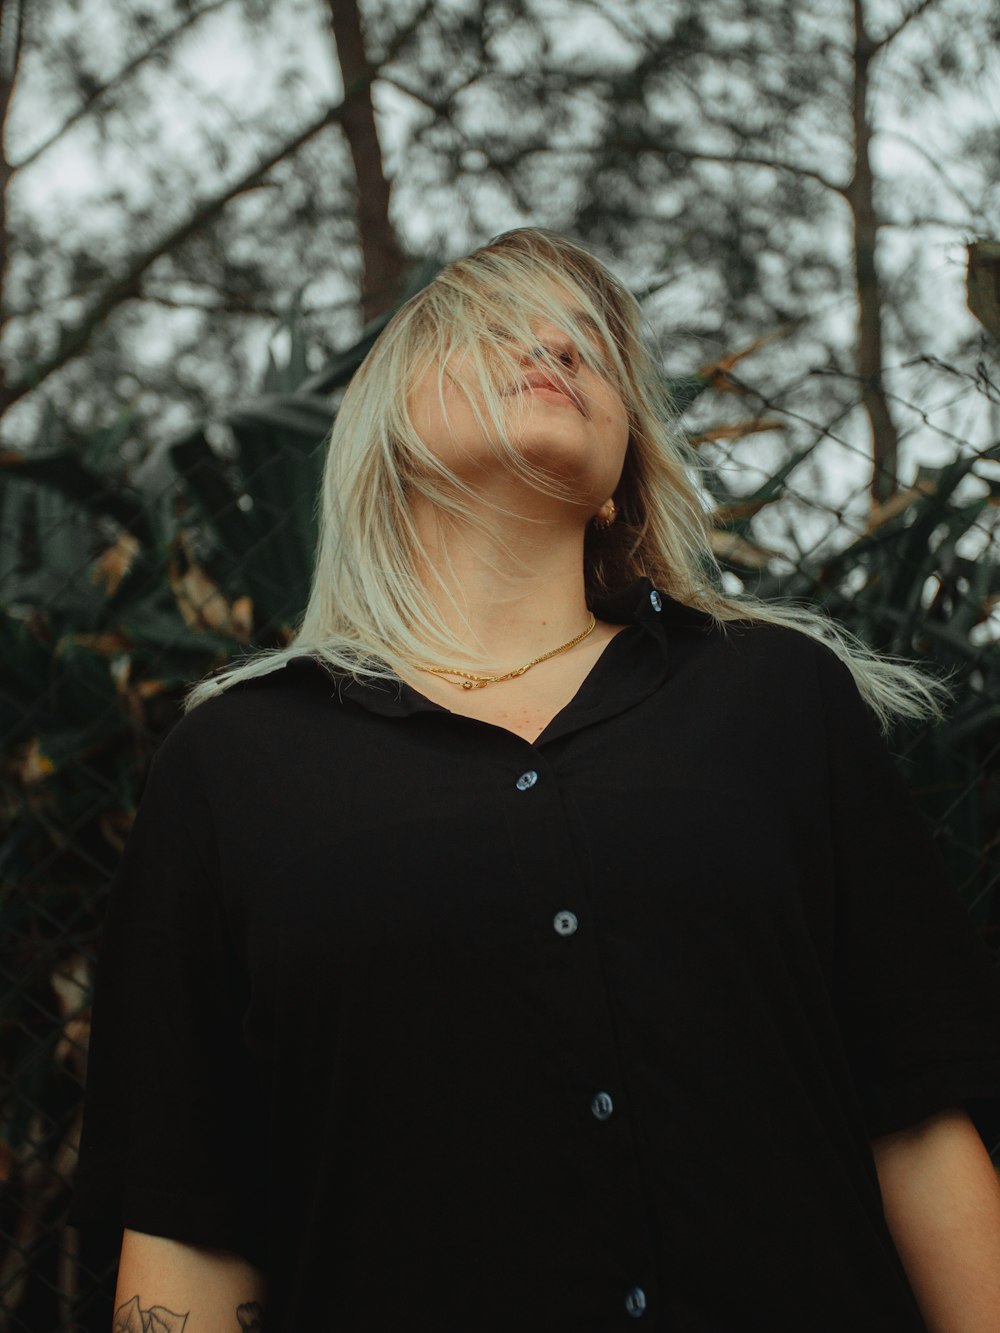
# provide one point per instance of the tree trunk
(11, 17)
(860, 197)
(383, 262)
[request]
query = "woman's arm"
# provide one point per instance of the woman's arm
(186, 1287)
(941, 1196)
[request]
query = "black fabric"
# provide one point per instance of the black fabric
(343, 1023)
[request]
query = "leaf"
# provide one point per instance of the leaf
(63, 472)
(106, 644)
(882, 513)
(114, 563)
(731, 546)
(304, 414)
(102, 449)
(34, 765)
(199, 600)
(738, 430)
(982, 284)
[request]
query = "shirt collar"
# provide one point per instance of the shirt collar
(641, 603)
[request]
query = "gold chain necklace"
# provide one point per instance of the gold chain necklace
(470, 681)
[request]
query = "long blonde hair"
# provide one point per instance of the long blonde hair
(369, 614)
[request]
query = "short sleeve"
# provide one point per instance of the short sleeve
(918, 990)
(170, 1115)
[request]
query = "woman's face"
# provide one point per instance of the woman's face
(579, 437)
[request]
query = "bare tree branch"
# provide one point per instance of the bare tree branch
(754, 160)
(127, 286)
(439, 106)
(662, 147)
(236, 306)
(100, 90)
(934, 163)
(904, 22)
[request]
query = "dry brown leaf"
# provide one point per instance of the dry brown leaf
(728, 513)
(882, 513)
(201, 604)
(34, 766)
(243, 616)
(737, 548)
(982, 284)
(70, 981)
(149, 689)
(107, 644)
(738, 430)
(112, 565)
(716, 372)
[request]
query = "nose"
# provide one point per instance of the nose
(557, 344)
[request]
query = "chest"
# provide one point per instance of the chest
(527, 704)
(527, 716)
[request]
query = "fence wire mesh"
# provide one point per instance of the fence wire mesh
(118, 592)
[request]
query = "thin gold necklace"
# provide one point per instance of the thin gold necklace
(470, 681)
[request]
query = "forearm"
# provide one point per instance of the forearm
(941, 1196)
(166, 1284)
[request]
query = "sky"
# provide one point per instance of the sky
(218, 76)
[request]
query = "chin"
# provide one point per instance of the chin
(564, 462)
(559, 443)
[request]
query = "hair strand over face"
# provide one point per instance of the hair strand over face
(368, 612)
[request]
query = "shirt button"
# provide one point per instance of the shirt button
(602, 1105)
(635, 1301)
(657, 605)
(565, 922)
(526, 780)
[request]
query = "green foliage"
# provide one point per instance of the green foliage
(114, 597)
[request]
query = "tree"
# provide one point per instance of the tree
(731, 156)
(216, 226)
(737, 153)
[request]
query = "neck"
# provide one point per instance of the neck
(507, 609)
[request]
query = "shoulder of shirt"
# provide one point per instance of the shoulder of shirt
(240, 703)
(797, 663)
(746, 634)
(211, 724)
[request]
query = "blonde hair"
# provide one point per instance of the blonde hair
(369, 614)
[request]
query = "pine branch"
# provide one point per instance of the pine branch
(904, 22)
(127, 286)
(102, 89)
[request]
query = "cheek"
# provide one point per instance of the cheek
(615, 428)
(437, 417)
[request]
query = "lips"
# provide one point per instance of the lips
(538, 381)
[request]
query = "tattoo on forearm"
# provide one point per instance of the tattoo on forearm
(131, 1318)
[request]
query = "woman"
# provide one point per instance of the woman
(544, 940)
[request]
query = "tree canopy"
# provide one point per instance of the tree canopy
(178, 176)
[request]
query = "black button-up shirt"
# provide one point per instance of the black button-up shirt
(448, 1030)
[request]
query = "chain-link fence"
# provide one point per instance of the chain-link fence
(118, 591)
